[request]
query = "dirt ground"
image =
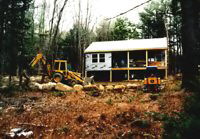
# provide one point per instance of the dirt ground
(128, 114)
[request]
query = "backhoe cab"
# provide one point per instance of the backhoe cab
(152, 82)
(61, 73)
(58, 72)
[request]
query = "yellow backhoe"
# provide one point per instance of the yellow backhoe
(58, 72)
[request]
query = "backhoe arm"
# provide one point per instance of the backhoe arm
(36, 59)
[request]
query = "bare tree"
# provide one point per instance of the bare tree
(83, 32)
(52, 24)
(53, 44)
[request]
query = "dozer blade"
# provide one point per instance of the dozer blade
(88, 80)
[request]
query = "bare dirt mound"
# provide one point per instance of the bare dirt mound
(78, 114)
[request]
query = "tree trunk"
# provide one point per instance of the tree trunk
(189, 41)
(51, 26)
(54, 41)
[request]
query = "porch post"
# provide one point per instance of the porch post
(128, 62)
(166, 65)
(146, 58)
(111, 75)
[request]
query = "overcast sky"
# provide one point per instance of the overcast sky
(100, 9)
(110, 8)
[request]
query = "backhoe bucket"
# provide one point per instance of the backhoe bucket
(88, 80)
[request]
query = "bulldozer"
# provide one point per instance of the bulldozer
(152, 82)
(57, 71)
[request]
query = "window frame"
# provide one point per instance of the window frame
(102, 58)
(95, 58)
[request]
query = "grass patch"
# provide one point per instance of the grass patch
(58, 94)
(173, 86)
(10, 90)
(109, 101)
(186, 125)
(154, 96)
(131, 98)
(63, 130)
(94, 93)
(157, 116)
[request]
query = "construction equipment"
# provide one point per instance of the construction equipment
(57, 70)
(152, 83)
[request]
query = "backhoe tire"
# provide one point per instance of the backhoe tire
(57, 77)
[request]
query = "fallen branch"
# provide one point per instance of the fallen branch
(31, 124)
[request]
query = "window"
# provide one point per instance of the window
(62, 66)
(101, 57)
(94, 58)
(98, 58)
(56, 65)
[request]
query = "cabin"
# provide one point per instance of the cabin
(126, 59)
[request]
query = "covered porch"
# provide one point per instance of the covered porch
(129, 65)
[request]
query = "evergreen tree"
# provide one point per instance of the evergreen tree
(14, 26)
(123, 30)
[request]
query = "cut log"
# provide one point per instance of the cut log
(119, 88)
(109, 88)
(132, 86)
(90, 88)
(101, 88)
(78, 87)
(63, 87)
(46, 86)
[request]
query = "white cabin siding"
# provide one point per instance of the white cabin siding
(98, 66)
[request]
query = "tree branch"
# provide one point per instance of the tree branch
(128, 10)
